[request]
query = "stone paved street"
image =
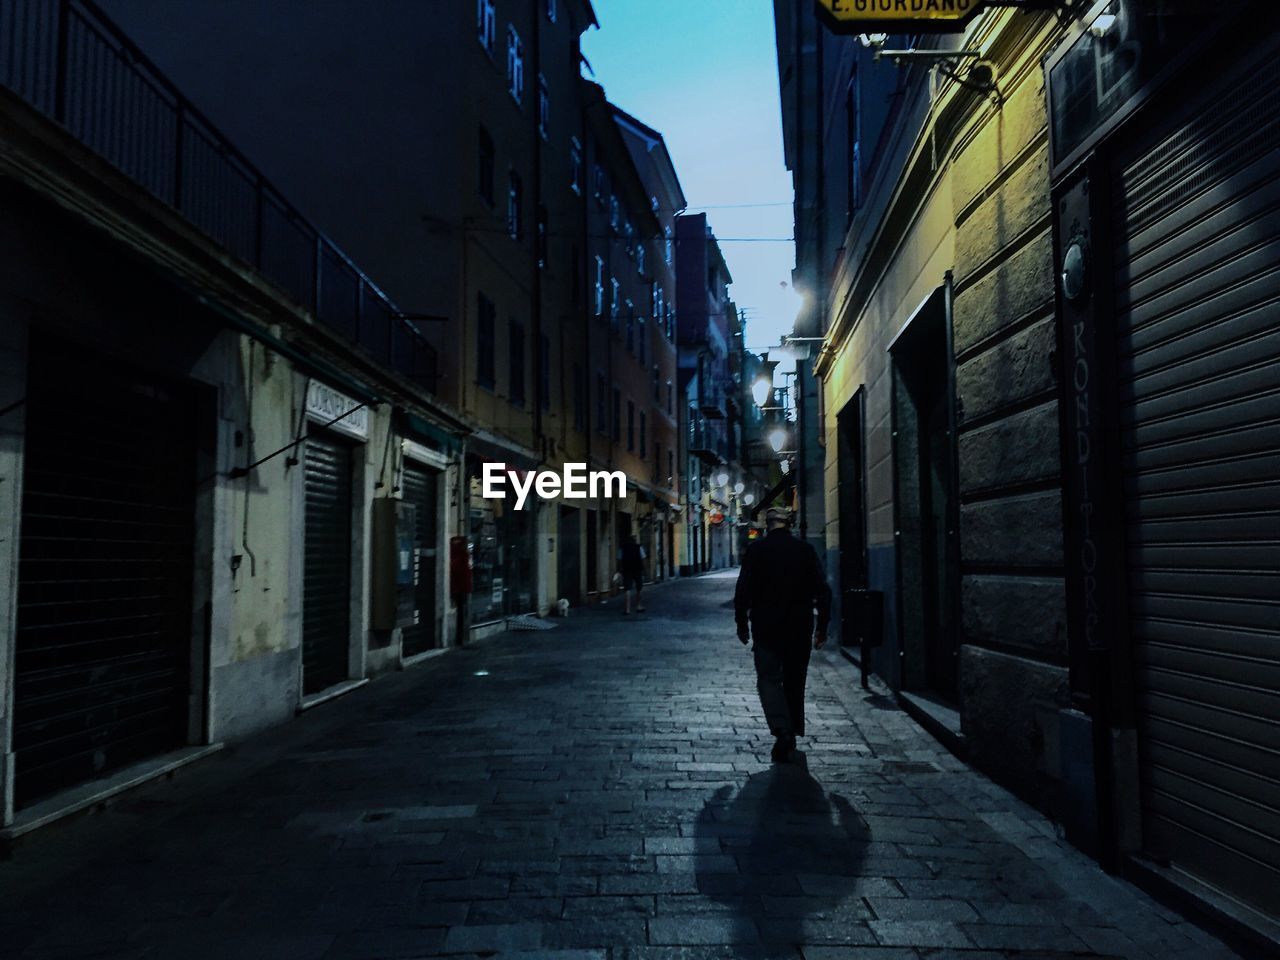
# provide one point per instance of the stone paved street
(600, 790)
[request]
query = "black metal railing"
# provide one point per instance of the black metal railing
(69, 61)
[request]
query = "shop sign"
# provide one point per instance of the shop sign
(717, 518)
(900, 16)
(337, 411)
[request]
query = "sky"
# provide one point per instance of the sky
(704, 74)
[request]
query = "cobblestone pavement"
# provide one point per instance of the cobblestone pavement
(601, 790)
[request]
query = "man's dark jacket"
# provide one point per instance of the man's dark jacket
(780, 583)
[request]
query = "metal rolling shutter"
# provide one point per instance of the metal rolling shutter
(420, 490)
(104, 636)
(326, 594)
(1198, 321)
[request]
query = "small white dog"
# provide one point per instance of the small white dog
(562, 607)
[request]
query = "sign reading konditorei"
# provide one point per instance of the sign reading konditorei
(338, 411)
(891, 16)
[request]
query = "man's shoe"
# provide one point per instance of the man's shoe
(783, 747)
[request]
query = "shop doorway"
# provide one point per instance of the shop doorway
(925, 499)
(104, 632)
(421, 488)
(569, 568)
(326, 594)
(593, 552)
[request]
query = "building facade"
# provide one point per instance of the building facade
(227, 481)
(1020, 351)
(708, 334)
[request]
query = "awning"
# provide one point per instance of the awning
(423, 429)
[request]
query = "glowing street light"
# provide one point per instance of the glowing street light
(722, 478)
(761, 391)
(739, 487)
(778, 439)
(749, 499)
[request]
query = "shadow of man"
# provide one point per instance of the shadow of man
(797, 852)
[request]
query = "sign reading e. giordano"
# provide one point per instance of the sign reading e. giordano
(908, 16)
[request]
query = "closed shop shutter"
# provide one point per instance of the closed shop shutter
(104, 623)
(326, 603)
(420, 490)
(1198, 321)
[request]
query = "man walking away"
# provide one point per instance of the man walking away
(631, 566)
(780, 583)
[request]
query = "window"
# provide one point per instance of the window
(515, 364)
(515, 201)
(575, 165)
(671, 321)
(631, 327)
(542, 237)
(617, 414)
(575, 283)
(602, 405)
(853, 131)
(671, 467)
(515, 65)
(614, 302)
(544, 107)
(671, 394)
(598, 187)
(485, 317)
(640, 259)
(644, 435)
(486, 25)
(615, 213)
(553, 10)
(670, 253)
(544, 372)
(656, 384)
(642, 348)
(599, 286)
(655, 304)
(631, 425)
(484, 167)
(579, 398)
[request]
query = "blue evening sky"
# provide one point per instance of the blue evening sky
(704, 73)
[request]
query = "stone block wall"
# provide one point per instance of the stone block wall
(1013, 676)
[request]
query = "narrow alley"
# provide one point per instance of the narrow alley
(598, 790)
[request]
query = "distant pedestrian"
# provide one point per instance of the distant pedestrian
(779, 585)
(631, 566)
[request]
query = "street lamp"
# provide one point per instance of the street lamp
(749, 499)
(722, 478)
(777, 439)
(761, 391)
(739, 487)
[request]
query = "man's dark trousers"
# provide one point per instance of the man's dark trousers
(781, 668)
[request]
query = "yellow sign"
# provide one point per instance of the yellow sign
(891, 16)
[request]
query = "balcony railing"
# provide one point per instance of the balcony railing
(69, 61)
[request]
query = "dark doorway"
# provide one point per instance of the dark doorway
(593, 552)
(421, 488)
(326, 589)
(570, 567)
(103, 639)
(851, 431)
(621, 533)
(851, 479)
(925, 501)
